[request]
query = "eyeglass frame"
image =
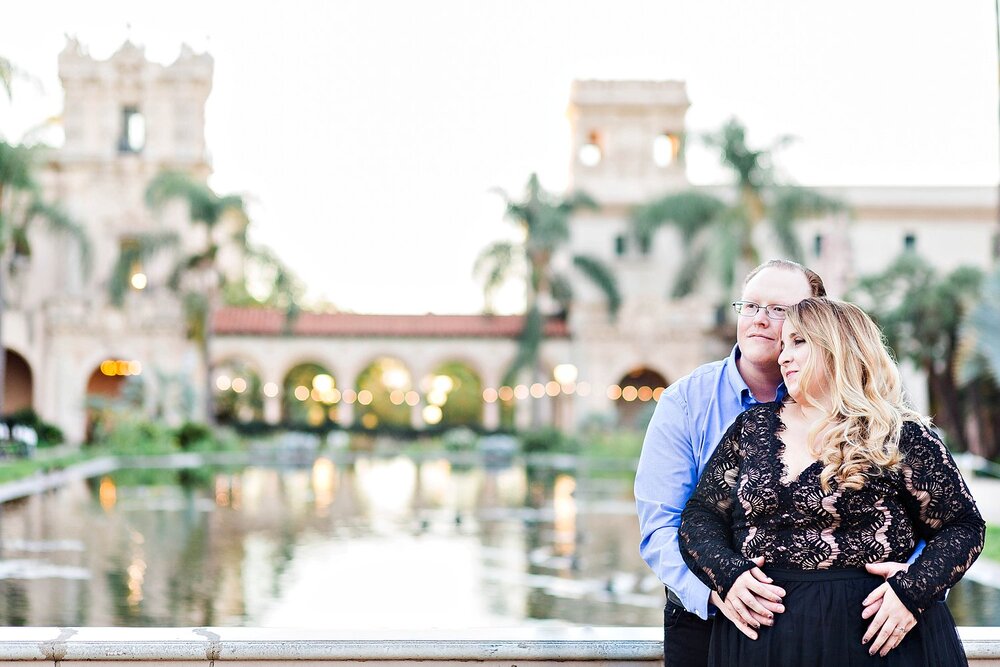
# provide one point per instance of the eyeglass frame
(739, 306)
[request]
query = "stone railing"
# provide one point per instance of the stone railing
(522, 647)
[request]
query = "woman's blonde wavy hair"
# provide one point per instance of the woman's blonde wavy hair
(859, 436)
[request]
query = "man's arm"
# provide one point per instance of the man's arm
(665, 478)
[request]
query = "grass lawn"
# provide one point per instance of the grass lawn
(992, 548)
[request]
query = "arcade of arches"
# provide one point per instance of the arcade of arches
(387, 391)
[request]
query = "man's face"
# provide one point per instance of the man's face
(759, 337)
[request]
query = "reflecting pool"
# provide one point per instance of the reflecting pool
(365, 542)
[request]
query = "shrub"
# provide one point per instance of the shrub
(48, 434)
(191, 434)
(459, 439)
(132, 436)
(548, 440)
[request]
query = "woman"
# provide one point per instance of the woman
(839, 475)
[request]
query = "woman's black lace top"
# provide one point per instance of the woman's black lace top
(745, 506)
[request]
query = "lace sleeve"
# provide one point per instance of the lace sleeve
(706, 537)
(943, 513)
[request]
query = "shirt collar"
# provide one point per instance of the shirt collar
(739, 385)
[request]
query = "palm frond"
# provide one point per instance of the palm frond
(601, 275)
(728, 247)
(751, 166)
(561, 290)
(528, 343)
(792, 204)
(17, 164)
(137, 250)
(691, 270)
(576, 201)
(496, 264)
(691, 212)
(59, 222)
(203, 204)
(980, 334)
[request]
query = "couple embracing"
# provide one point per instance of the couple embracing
(796, 509)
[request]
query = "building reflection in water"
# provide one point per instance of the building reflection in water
(376, 542)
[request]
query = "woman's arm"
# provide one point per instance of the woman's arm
(943, 513)
(706, 523)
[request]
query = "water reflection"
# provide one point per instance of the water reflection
(366, 543)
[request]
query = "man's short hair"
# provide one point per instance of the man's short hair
(816, 286)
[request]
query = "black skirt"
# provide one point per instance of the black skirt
(822, 627)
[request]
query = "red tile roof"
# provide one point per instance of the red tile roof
(269, 322)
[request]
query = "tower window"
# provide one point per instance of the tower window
(666, 149)
(818, 245)
(133, 136)
(592, 151)
(910, 242)
(621, 245)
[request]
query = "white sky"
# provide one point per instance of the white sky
(371, 133)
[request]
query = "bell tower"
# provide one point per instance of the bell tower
(127, 108)
(627, 139)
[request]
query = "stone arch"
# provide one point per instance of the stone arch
(239, 391)
(18, 382)
(453, 394)
(114, 383)
(635, 394)
(310, 393)
(385, 394)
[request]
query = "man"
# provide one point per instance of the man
(690, 419)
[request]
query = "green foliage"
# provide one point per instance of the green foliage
(48, 434)
(21, 468)
(192, 434)
(464, 402)
(991, 551)
(387, 413)
(600, 275)
(548, 440)
(459, 440)
(134, 436)
(529, 340)
(612, 445)
(920, 313)
(144, 477)
(233, 407)
(980, 352)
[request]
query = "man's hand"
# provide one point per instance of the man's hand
(753, 600)
(891, 623)
(884, 570)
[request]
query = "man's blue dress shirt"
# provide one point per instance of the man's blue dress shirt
(690, 419)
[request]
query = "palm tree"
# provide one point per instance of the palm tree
(22, 206)
(721, 233)
(921, 313)
(197, 277)
(543, 220)
(979, 364)
(981, 332)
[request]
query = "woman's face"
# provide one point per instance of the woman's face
(795, 351)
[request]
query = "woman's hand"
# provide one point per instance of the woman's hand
(885, 570)
(754, 599)
(891, 623)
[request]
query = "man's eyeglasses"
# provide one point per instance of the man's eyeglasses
(775, 311)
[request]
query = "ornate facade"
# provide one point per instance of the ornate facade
(126, 119)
